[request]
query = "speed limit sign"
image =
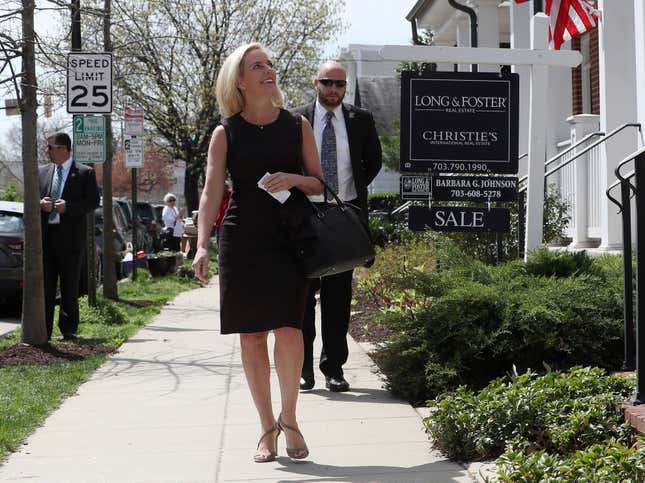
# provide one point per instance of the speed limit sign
(89, 83)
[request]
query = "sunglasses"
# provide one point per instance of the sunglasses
(329, 82)
(53, 146)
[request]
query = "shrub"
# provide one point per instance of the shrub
(104, 312)
(383, 201)
(558, 413)
(11, 193)
(610, 461)
(468, 322)
(547, 263)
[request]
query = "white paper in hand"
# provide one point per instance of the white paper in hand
(281, 196)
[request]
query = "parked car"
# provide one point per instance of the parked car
(119, 236)
(12, 238)
(144, 240)
(158, 209)
(147, 216)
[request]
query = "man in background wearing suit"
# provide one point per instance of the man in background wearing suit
(68, 192)
(350, 154)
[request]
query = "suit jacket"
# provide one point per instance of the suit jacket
(81, 195)
(364, 146)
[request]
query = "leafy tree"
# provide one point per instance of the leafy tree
(391, 143)
(168, 54)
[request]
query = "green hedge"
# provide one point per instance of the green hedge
(606, 462)
(383, 201)
(458, 321)
(559, 412)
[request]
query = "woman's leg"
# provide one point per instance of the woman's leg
(255, 360)
(288, 355)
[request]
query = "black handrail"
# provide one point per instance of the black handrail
(560, 154)
(574, 146)
(634, 343)
(629, 350)
(591, 146)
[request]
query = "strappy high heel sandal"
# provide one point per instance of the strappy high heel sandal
(262, 457)
(295, 453)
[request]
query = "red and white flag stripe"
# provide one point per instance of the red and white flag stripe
(568, 19)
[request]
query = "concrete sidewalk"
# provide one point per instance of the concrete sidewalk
(173, 406)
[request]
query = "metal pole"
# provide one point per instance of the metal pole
(629, 361)
(499, 240)
(639, 169)
(521, 213)
(135, 224)
(90, 256)
(473, 25)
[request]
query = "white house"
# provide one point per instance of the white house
(373, 84)
(598, 96)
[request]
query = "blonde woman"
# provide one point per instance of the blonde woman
(261, 287)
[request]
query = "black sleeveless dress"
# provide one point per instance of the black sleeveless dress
(261, 286)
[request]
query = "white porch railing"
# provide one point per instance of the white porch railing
(566, 183)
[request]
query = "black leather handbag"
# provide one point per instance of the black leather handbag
(328, 238)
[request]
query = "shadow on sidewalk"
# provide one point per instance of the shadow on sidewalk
(356, 394)
(440, 471)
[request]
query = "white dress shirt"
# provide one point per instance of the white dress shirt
(67, 165)
(346, 186)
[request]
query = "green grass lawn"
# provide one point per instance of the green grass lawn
(28, 394)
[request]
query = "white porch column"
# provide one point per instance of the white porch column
(463, 37)
(488, 29)
(617, 104)
(581, 125)
(520, 39)
(639, 36)
(537, 138)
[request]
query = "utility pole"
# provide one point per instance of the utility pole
(34, 331)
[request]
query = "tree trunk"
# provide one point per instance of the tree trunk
(191, 188)
(34, 330)
(110, 289)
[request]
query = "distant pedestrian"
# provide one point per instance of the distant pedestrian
(262, 288)
(350, 153)
(173, 221)
(68, 192)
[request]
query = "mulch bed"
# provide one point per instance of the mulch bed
(24, 355)
(362, 322)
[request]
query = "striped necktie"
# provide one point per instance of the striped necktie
(328, 154)
(57, 188)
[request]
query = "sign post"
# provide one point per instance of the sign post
(133, 147)
(89, 91)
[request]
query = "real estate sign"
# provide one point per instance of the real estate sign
(459, 122)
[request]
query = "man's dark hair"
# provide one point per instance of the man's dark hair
(63, 139)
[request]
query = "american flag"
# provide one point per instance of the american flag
(568, 19)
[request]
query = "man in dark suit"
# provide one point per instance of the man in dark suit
(350, 154)
(68, 192)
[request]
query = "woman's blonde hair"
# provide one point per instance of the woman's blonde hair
(229, 97)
